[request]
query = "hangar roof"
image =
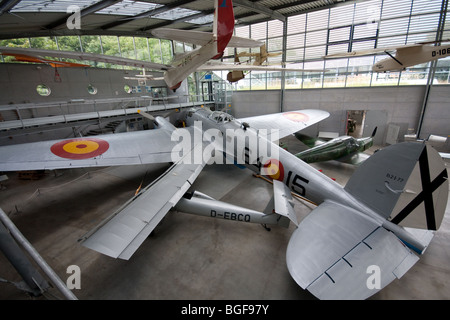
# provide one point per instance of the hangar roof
(33, 18)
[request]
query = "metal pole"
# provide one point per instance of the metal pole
(283, 62)
(439, 33)
(35, 283)
(36, 256)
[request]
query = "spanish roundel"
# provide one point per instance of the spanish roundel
(78, 149)
(296, 116)
(274, 169)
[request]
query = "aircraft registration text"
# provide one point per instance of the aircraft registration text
(440, 52)
(231, 216)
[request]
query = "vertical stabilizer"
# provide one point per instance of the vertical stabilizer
(406, 183)
(223, 23)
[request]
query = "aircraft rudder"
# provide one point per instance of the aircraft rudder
(223, 23)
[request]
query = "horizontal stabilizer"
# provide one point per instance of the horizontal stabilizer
(338, 253)
(284, 203)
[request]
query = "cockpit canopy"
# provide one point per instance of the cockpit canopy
(220, 117)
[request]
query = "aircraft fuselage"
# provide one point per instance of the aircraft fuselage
(297, 175)
(407, 57)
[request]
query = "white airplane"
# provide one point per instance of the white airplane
(384, 217)
(405, 56)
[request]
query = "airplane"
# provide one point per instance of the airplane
(260, 57)
(405, 56)
(53, 63)
(344, 149)
(376, 220)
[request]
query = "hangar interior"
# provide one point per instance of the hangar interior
(190, 257)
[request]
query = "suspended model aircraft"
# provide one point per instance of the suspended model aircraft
(53, 63)
(405, 56)
(353, 228)
(260, 57)
(344, 149)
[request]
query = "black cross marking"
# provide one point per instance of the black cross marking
(426, 196)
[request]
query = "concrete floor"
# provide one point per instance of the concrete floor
(187, 257)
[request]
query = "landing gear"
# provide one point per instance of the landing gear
(265, 227)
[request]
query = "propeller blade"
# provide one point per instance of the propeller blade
(146, 115)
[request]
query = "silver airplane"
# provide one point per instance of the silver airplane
(356, 241)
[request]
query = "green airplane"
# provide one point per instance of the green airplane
(344, 149)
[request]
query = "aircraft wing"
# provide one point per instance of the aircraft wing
(84, 56)
(120, 235)
(202, 38)
(141, 147)
(286, 122)
(369, 51)
(337, 253)
(247, 67)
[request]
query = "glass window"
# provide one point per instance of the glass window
(91, 89)
(274, 44)
(259, 31)
(47, 43)
(166, 51)
(110, 45)
(339, 34)
(127, 47)
(69, 43)
(155, 50)
(295, 41)
(142, 49)
(294, 55)
(91, 44)
(317, 20)
(296, 24)
(43, 90)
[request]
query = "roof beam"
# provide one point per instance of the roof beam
(260, 9)
(7, 5)
(291, 4)
(86, 11)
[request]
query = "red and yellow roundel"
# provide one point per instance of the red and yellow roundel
(274, 169)
(78, 149)
(296, 116)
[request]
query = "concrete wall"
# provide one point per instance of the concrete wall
(400, 105)
(18, 83)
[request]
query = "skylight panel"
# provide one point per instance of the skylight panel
(202, 20)
(176, 13)
(50, 5)
(129, 8)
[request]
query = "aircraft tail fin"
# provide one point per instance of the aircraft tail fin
(406, 183)
(223, 23)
